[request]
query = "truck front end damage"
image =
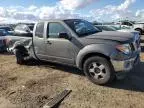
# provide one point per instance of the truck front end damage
(124, 62)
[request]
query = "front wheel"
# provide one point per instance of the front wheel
(98, 70)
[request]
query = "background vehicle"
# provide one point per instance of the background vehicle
(21, 32)
(3, 34)
(138, 26)
(105, 28)
(8, 29)
(75, 42)
(124, 24)
(24, 29)
(115, 28)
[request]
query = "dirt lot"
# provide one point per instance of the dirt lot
(33, 86)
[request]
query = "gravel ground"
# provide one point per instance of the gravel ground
(33, 86)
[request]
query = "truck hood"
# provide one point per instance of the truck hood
(113, 35)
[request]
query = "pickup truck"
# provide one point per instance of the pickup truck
(102, 56)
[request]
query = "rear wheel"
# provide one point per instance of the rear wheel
(19, 57)
(98, 70)
(139, 30)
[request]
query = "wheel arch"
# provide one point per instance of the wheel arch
(21, 48)
(139, 29)
(91, 54)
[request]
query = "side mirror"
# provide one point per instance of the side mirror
(64, 35)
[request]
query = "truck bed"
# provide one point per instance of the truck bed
(12, 40)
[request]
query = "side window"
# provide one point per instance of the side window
(54, 29)
(39, 30)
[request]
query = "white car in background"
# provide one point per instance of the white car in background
(126, 29)
(115, 28)
(138, 26)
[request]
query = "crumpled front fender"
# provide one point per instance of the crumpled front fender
(103, 49)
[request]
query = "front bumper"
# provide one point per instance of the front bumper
(125, 65)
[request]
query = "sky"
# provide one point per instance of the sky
(99, 10)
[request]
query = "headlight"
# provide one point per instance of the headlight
(125, 48)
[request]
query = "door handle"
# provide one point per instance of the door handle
(48, 42)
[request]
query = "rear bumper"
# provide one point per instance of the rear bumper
(125, 65)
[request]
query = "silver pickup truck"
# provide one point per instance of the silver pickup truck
(102, 56)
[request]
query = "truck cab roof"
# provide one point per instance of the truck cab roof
(51, 20)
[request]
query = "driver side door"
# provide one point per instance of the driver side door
(58, 49)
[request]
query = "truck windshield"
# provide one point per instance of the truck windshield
(82, 27)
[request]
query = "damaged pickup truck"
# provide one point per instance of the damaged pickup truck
(101, 55)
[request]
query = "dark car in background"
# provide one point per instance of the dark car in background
(8, 29)
(3, 40)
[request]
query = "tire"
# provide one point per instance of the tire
(139, 30)
(19, 57)
(98, 70)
